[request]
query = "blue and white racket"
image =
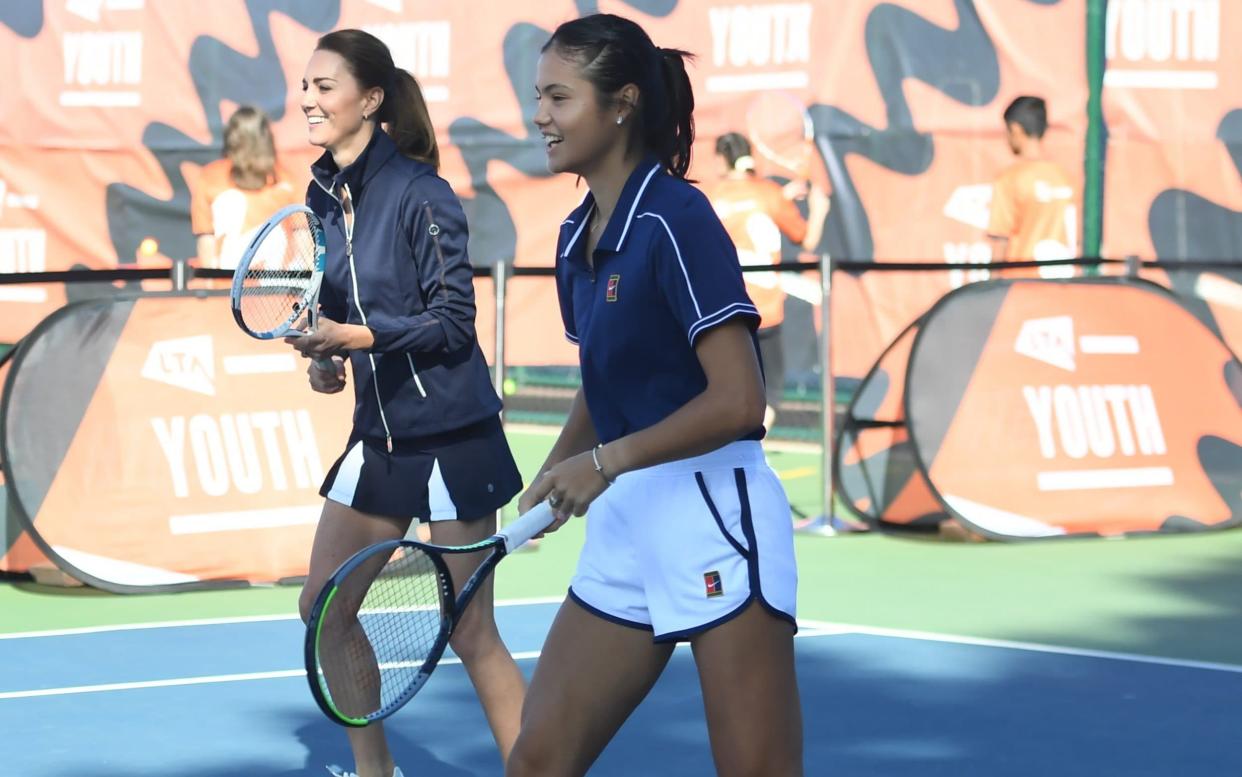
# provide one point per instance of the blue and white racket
(276, 284)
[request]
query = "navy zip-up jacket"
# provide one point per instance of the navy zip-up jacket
(404, 274)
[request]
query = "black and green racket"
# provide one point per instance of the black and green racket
(383, 621)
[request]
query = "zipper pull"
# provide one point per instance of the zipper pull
(390, 443)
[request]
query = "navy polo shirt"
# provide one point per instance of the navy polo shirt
(665, 272)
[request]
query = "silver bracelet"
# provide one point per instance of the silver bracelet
(599, 467)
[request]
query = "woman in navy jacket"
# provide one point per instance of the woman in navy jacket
(398, 301)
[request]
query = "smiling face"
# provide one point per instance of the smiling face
(335, 103)
(578, 131)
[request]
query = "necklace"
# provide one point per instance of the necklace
(597, 224)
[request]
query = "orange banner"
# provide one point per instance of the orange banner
(148, 444)
(1173, 106)
(904, 98)
(123, 102)
(1053, 408)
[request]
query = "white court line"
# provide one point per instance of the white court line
(1035, 647)
(816, 629)
(221, 621)
(286, 673)
(205, 680)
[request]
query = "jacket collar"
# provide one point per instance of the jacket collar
(618, 228)
(356, 175)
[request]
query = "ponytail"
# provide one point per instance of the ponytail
(407, 120)
(673, 137)
(735, 149)
(404, 110)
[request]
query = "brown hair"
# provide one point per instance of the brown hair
(250, 147)
(404, 110)
(735, 149)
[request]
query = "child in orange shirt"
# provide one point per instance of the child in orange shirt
(756, 212)
(236, 194)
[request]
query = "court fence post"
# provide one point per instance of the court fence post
(500, 278)
(827, 392)
(180, 274)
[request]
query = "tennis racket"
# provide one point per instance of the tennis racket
(780, 129)
(383, 620)
(275, 290)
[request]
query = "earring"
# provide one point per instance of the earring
(620, 119)
(365, 117)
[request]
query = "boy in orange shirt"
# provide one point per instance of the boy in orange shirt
(1033, 216)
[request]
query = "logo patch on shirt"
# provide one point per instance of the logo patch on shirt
(713, 583)
(613, 282)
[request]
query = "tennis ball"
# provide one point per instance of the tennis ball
(148, 246)
(510, 386)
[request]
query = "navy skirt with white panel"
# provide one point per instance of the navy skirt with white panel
(463, 474)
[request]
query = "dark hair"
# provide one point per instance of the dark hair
(614, 51)
(734, 147)
(403, 112)
(1029, 113)
(250, 148)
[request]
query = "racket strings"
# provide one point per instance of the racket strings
(277, 281)
(376, 650)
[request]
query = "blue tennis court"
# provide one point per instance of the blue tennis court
(224, 697)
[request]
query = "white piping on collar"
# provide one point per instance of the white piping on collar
(573, 240)
(629, 219)
(681, 262)
(315, 178)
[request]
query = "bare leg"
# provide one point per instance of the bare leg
(476, 640)
(342, 532)
(590, 677)
(746, 669)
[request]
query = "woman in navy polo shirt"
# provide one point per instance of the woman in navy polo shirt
(398, 302)
(689, 536)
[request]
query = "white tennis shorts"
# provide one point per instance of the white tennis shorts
(681, 547)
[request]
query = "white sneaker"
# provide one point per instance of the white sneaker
(337, 771)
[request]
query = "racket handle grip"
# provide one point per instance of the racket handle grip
(327, 365)
(526, 526)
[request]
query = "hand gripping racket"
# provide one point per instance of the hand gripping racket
(383, 620)
(275, 290)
